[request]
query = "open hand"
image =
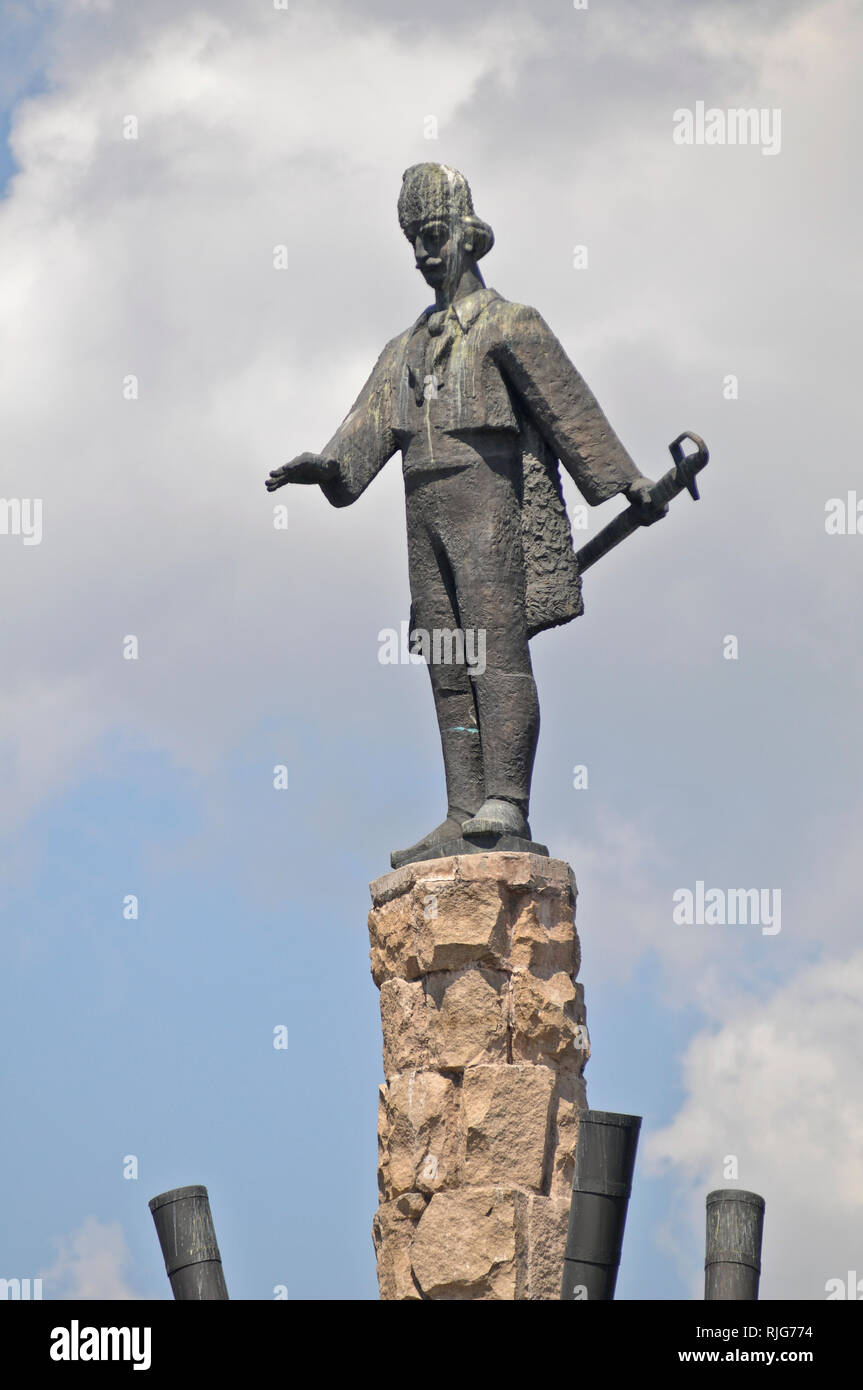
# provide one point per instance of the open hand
(305, 468)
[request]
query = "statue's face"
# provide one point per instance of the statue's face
(440, 250)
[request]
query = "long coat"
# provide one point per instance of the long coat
(490, 364)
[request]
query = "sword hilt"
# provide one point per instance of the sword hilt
(680, 478)
(687, 465)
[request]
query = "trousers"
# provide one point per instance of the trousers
(463, 505)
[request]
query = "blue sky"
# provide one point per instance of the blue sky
(26, 32)
(153, 1037)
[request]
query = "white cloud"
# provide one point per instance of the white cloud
(778, 1086)
(91, 1264)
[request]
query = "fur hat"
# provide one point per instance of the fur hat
(436, 190)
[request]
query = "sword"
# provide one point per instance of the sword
(680, 478)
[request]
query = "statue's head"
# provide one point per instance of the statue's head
(437, 217)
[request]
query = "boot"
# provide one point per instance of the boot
(463, 767)
(509, 719)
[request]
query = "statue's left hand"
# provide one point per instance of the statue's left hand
(639, 494)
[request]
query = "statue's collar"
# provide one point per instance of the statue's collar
(467, 310)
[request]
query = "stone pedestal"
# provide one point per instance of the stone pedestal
(484, 1042)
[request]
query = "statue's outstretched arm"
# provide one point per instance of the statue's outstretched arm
(357, 451)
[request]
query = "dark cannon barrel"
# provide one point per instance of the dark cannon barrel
(735, 1225)
(601, 1186)
(184, 1225)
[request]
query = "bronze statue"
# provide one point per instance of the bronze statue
(482, 401)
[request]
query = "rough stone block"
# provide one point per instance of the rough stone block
(392, 937)
(506, 1112)
(461, 924)
(570, 1097)
(464, 1246)
(543, 936)
(517, 871)
(546, 1220)
(467, 1018)
(393, 1231)
(404, 1022)
(544, 1022)
(418, 1134)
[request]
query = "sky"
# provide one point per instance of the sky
(159, 358)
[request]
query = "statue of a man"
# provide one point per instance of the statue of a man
(482, 401)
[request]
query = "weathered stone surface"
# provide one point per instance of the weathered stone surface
(393, 934)
(523, 871)
(399, 882)
(468, 1014)
(516, 870)
(464, 1246)
(494, 909)
(393, 1232)
(580, 1013)
(418, 1133)
(506, 1111)
(461, 924)
(546, 1220)
(544, 1016)
(570, 1097)
(543, 934)
(485, 1042)
(405, 1025)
